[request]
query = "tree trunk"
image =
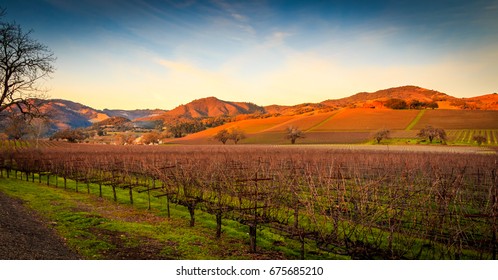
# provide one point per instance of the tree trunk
(191, 210)
(218, 224)
(252, 238)
(131, 195)
(167, 206)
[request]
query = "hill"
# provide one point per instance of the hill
(133, 114)
(296, 109)
(352, 125)
(484, 102)
(67, 114)
(211, 107)
(406, 93)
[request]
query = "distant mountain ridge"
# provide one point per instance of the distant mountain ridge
(133, 114)
(66, 114)
(69, 114)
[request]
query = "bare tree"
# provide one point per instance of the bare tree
(433, 133)
(479, 139)
(381, 134)
(293, 133)
(222, 136)
(236, 134)
(15, 125)
(39, 127)
(23, 63)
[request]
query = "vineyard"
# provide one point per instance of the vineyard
(465, 136)
(356, 204)
(458, 119)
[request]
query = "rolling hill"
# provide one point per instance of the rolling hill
(364, 111)
(407, 93)
(210, 107)
(351, 125)
(67, 114)
(133, 114)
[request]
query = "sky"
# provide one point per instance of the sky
(137, 54)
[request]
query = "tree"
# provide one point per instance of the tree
(381, 134)
(152, 137)
(479, 139)
(432, 133)
(182, 128)
(441, 135)
(236, 134)
(16, 125)
(415, 104)
(39, 128)
(397, 104)
(71, 135)
(222, 136)
(23, 63)
(293, 133)
(126, 138)
(433, 105)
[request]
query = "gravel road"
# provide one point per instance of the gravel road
(24, 235)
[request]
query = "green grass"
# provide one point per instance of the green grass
(415, 120)
(457, 137)
(90, 224)
(396, 141)
(98, 228)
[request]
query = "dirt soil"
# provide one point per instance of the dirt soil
(24, 235)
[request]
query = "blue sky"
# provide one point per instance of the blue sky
(132, 54)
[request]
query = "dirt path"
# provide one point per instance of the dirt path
(23, 235)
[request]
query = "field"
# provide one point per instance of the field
(368, 119)
(465, 136)
(459, 119)
(358, 125)
(295, 201)
(305, 123)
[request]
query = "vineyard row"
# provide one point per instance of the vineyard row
(360, 204)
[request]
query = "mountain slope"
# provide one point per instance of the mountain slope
(67, 114)
(484, 102)
(212, 107)
(406, 93)
(133, 114)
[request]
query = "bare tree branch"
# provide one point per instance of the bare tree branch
(23, 63)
